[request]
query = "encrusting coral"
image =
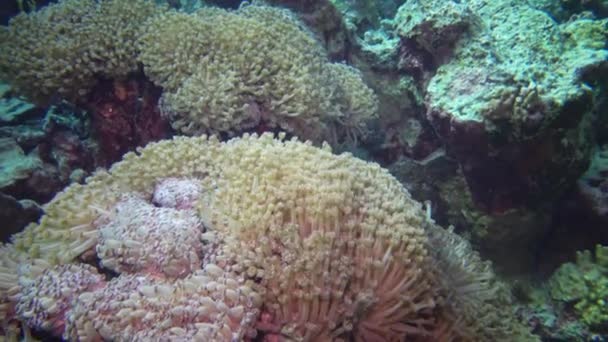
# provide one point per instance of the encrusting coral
(255, 68)
(304, 245)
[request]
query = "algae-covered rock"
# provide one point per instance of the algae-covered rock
(15, 215)
(428, 31)
(13, 109)
(508, 90)
(41, 151)
(362, 16)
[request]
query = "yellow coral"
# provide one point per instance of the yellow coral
(221, 71)
(322, 231)
(334, 245)
(336, 241)
(225, 72)
(63, 48)
(356, 102)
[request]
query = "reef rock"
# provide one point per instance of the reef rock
(513, 103)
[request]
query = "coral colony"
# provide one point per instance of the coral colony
(304, 245)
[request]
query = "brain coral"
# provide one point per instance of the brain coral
(228, 71)
(63, 49)
(297, 244)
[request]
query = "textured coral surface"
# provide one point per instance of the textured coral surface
(221, 71)
(228, 71)
(62, 50)
(193, 239)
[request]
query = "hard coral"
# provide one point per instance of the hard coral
(230, 71)
(138, 237)
(63, 48)
(43, 300)
(298, 244)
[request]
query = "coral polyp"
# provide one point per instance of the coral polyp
(206, 306)
(142, 238)
(44, 299)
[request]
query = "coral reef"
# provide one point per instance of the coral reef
(141, 238)
(491, 90)
(45, 298)
(472, 292)
(488, 110)
(208, 305)
(567, 9)
(16, 214)
(427, 32)
(585, 284)
(42, 151)
(326, 22)
(502, 89)
(51, 164)
(15, 164)
(303, 245)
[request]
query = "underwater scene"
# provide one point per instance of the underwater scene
(307, 171)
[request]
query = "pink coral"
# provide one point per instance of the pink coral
(177, 193)
(44, 300)
(209, 305)
(142, 238)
